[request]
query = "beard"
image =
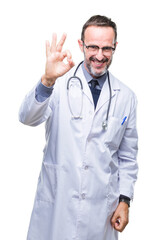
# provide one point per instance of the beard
(92, 71)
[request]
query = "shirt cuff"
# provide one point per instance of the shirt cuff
(42, 92)
(125, 197)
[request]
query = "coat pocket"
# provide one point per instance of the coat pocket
(115, 131)
(47, 183)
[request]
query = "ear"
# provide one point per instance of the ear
(80, 45)
(116, 45)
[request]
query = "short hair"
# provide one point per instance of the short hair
(100, 21)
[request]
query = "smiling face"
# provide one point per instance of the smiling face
(97, 60)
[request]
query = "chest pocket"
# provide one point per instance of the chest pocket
(115, 132)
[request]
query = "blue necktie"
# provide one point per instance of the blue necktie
(95, 92)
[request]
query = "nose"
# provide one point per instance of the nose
(100, 55)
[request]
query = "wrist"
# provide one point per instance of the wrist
(48, 82)
(125, 200)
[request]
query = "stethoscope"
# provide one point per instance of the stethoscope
(79, 116)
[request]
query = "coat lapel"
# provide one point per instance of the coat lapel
(105, 93)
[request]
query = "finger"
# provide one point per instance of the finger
(114, 219)
(120, 225)
(53, 43)
(71, 63)
(47, 48)
(117, 223)
(67, 54)
(61, 42)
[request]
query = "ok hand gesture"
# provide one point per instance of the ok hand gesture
(55, 67)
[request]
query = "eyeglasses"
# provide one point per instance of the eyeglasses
(95, 49)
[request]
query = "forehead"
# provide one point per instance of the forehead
(99, 35)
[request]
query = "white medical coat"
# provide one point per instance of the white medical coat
(84, 168)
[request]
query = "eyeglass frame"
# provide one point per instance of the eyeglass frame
(97, 48)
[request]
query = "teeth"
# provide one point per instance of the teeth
(98, 63)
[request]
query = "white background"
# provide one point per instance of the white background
(25, 25)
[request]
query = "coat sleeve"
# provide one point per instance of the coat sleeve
(32, 112)
(127, 153)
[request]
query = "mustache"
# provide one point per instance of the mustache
(101, 61)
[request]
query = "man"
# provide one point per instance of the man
(89, 166)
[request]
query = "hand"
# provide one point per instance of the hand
(120, 217)
(55, 67)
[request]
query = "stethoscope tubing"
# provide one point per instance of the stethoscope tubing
(74, 76)
(110, 93)
(104, 124)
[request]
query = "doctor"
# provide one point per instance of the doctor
(88, 172)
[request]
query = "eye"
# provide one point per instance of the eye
(93, 47)
(107, 49)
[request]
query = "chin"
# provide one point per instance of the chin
(95, 72)
(98, 73)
